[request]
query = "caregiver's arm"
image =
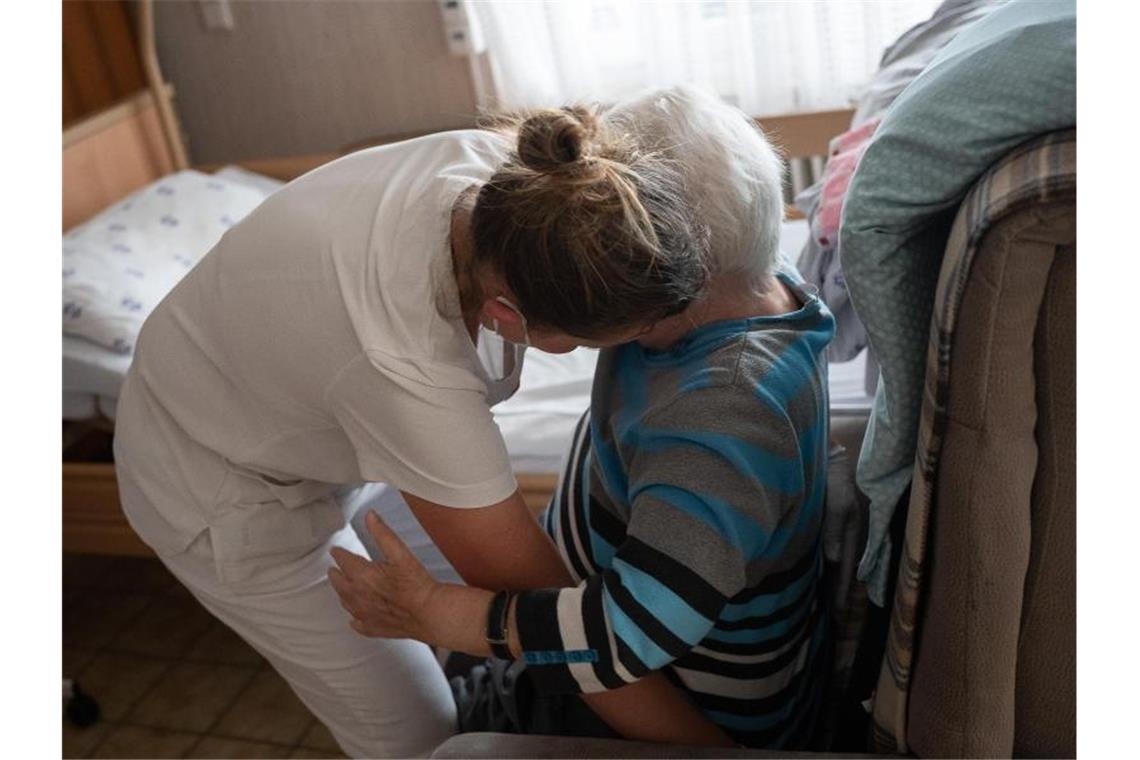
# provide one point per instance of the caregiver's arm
(503, 547)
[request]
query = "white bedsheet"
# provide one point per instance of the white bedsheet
(537, 422)
(92, 375)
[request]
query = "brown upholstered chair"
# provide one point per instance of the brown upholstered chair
(981, 654)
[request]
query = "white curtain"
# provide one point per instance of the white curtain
(766, 57)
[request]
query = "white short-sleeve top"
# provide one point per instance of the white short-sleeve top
(319, 344)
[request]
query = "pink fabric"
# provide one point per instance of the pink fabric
(843, 157)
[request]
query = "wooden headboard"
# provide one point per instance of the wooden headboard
(134, 141)
(111, 154)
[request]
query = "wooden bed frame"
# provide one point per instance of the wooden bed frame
(133, 143)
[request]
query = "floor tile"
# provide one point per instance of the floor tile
(170, 625)
(219, 747)
(220, 644)
(93, 618)
(78, 742)
(316, 753)
(141, 574)
(319, 737)
(191, 696)
(117, 681)
(268, 710)
(139, 741)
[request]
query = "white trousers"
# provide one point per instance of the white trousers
(379, 697)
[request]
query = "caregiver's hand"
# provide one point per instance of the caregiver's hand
(386, 598)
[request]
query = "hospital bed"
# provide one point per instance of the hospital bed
(131, 145)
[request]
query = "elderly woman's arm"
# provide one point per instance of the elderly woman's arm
(523, 557)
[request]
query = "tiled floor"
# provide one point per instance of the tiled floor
(170, 680)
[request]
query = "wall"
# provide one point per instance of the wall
(309, 76)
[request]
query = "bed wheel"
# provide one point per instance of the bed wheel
(81, 709)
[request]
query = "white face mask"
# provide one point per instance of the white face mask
(515, 309)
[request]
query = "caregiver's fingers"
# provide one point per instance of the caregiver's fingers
(339, 581)
(394, 548)
(349, 563)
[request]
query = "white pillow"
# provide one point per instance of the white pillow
(120, 264)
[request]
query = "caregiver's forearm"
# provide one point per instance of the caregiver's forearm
(650, 709)
(500, 546)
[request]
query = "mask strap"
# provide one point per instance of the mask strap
(526, 334)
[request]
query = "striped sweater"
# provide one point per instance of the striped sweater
(689, 513)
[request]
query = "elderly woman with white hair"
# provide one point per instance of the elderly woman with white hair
(690, 509)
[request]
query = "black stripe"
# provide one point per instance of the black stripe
(801, 733)
(650, 625)
(759, 705)
(792, 732)
(572, 473)
(777, 581)
(606, 524)
(761, 621)
(597, 635)
(548, 515)
(629, 658)
(758, 648)
(536, 616)
(577, 510)
(743, 670)
(789, 725)
(680, 579)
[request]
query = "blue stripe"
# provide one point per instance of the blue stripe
(774, 472)
(663, 603)
(614, 479)
(633, 402)
(813, 448)
(630, 632)
(766, 604)
(696, 375)
(602, 549)
(757, 635)
(744, 534)
(797, 366)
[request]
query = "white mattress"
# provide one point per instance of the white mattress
(537, 422)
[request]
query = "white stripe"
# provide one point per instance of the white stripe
(571, 626)
(619, 666)
(556, 505)
(752, 659)
(744, 688)
(574, 496)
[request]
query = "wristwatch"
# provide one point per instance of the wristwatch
(497, 625)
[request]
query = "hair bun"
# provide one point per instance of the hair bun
(551, 140)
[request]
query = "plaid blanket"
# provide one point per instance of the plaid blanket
(1038, 171)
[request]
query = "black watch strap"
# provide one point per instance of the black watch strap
(497, 625)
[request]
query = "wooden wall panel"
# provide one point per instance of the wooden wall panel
(100, 57)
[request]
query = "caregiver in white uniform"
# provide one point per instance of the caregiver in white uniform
(333, 338)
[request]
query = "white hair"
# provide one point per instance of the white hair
(733, 176)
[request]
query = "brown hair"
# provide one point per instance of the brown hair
(590, 234)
